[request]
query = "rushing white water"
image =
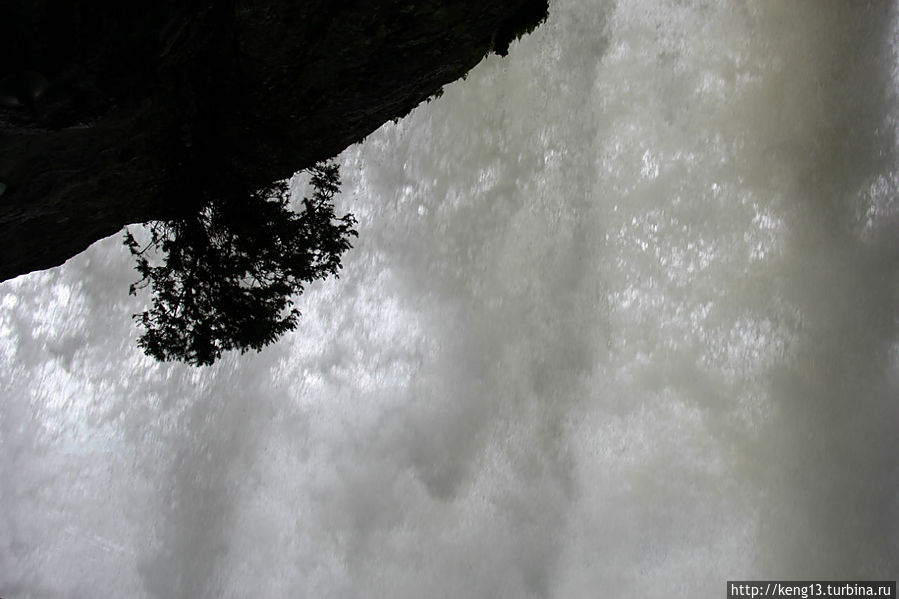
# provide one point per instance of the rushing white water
(621, 322)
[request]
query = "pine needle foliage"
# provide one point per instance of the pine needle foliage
(228, 273)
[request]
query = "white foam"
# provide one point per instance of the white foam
(621, 321)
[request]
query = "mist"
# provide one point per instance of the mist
(621, 321)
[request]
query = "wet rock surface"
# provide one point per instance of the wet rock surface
(112, 114)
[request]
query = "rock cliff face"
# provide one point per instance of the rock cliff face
(113, 114)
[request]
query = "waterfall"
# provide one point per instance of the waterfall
(621, 322)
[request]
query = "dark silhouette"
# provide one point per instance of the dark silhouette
(184, 112)
(228, 272)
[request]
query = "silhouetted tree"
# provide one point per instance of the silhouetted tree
(228, 272)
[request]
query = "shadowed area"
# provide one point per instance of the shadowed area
(113, 114)
(620, 322)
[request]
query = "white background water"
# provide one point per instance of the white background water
(621, 322)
